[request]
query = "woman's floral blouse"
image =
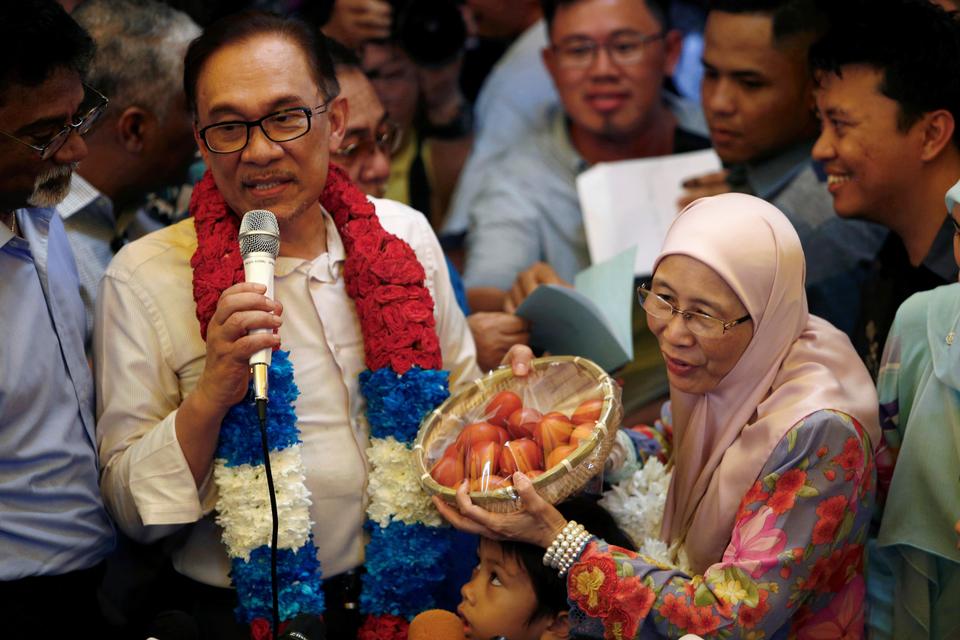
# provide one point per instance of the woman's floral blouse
(793, 567)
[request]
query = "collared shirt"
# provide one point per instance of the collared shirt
(890, 281)
(518, 96)
(91, 226)
(528, 208)
(838, 251)
(149, 356)
(52, 519)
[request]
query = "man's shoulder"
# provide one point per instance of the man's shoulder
(163, 249)
(401, 220)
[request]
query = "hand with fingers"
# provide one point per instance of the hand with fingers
(538, 274)
(353, 22)
(494, 334)
(708, 184)
(226, 373)
(537, 522)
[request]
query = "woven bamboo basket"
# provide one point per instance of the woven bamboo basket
(560, 383)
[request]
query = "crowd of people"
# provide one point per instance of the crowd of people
(795, 345)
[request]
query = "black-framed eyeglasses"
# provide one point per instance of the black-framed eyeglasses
(280, 126)
(700, 324)
(624, 48)
(386, 140)
(93, 106)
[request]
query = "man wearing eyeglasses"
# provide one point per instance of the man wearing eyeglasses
(267, 115)
(144, 141)
(608, 60)
(54, 530)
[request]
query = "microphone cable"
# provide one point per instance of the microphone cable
(262, 415)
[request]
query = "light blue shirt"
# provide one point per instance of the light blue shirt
(52, 519)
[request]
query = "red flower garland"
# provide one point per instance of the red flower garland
(381, 272)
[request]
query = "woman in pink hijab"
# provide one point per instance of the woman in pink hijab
(774, 424)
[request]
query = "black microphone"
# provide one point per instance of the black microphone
(259, 246)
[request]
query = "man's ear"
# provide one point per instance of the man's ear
(338, 114)
(559, 629)
(938, 127)
(672, 47)
(132, 128)
(204, 152)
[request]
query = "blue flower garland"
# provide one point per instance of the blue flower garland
(239, 454)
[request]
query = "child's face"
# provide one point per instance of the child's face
(499, 598)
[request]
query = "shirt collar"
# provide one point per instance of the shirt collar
(327, 266)
(6, 235)
(81, 194)
(940, 259)
(768, 177)
(560, 134)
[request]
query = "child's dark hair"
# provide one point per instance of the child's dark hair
(550, 588)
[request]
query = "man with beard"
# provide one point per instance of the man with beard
(54, 531)
(608, 60)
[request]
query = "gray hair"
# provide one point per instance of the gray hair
(140, 50)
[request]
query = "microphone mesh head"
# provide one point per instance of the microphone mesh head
(259, 233)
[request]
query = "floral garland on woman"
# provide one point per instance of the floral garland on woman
(403, 381)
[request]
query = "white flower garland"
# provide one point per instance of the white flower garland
(243, 504)
(637, 503)
(394, 488)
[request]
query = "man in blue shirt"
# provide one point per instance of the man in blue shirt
(54, 531)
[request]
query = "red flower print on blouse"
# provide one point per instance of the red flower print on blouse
(830, 512)
(851, 459)
(785, 492)
(749, 617)
(592, 581)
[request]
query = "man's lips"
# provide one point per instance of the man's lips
(836, 180)
(267, 186)
(607, 101)
(723, 136)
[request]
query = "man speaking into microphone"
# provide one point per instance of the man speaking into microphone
(177, 325)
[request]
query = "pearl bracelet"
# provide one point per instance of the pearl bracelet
(566, 547)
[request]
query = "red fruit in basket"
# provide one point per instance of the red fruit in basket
(481, 432)
(482, 459)
(581, 433)
(522, 454)
(452, 451)
(448, 471)
(522, 422)
(558, 454)
(553, 430)
(587, 411)
(489, 483)
(501, 406)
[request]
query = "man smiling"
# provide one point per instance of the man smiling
(608, 60)
(758, 100)
(890, 146)
(267, 113)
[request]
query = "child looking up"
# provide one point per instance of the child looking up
(512, 594)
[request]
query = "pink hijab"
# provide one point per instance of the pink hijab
(796, 364)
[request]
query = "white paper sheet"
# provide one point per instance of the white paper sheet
(633, 202)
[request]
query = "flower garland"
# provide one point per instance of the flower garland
(637, 503)
(403, 381)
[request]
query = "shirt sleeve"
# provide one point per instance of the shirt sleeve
(145, 479)
(504, 235)
(795, 556)
(456, 342)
